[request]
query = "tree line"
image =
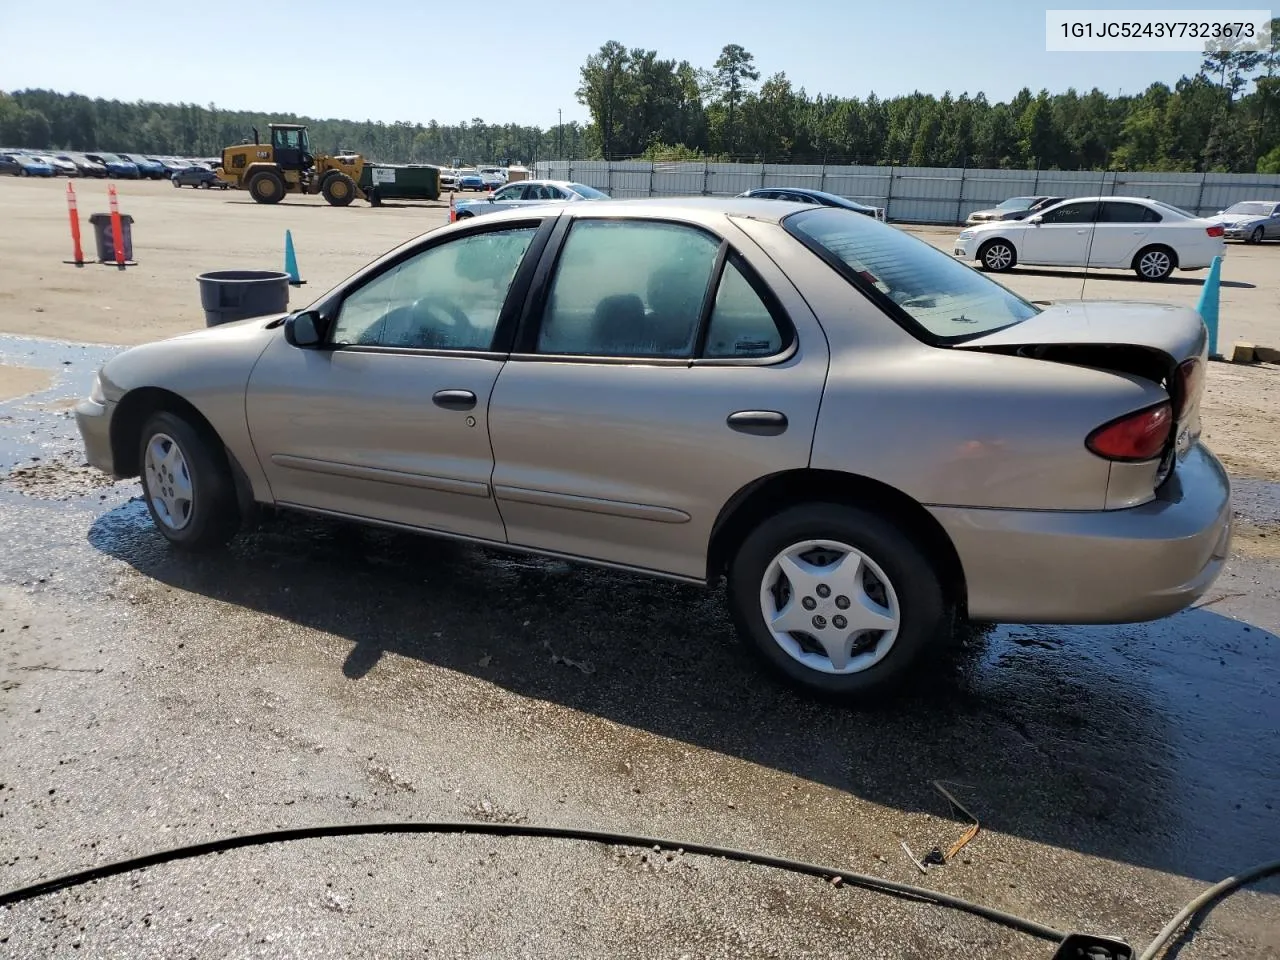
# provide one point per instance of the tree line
(1224, 118)
(43, 119)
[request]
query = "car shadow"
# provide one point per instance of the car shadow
(1128, 277)
(1139, 744)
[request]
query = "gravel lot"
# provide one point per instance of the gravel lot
(321, 674)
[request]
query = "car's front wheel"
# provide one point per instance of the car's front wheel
(187, 483)
(1256, 236)
(837, 599)
(998, 256)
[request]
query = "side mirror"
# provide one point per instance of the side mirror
(303, 329)
(1037, 219)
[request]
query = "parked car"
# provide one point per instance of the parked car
(493, 177)
(116, 166)
(9, 165)
(148, 169)
(171, 164)
(87, 167)
(1149, 237)
(1251, 220)
(683, 388)
(61, 168)
(29, 165)
(194, 176)
(528, 193)
(1015, 208)
(805, 195)
(470, 179)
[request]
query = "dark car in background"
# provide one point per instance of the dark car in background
(87, 167)
(9, 164)
(116, 166)
(820, 197)
(197, 176)
(171, 164)
(147, 168)
(1015, 208)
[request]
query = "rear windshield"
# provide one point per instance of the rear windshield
(937, 298)
(589, 193)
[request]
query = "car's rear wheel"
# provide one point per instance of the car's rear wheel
(1256, 236)
(998, 256)
(464, 215)
(175, 182)
(837, 599)
(187, 483)
(1154, 263)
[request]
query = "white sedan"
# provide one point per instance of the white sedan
(1149, 237)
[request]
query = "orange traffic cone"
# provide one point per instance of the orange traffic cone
(453, 213)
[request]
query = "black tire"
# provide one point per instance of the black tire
(212, 514)
(267, 186)
(998, 256)
(1154, 263)
(464, 215)
(924, 619)
(338, 189)
(375, 200)
(1257, 235)
(176, 184)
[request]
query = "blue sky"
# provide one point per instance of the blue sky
(412, 60)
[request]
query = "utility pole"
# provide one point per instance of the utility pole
(559, 134)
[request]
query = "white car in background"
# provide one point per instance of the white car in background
(493, 177)
(1149, 237)
(527, 193)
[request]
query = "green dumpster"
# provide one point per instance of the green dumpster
(400, 181)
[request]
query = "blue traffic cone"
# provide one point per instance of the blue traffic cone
(1208, 305)
(291, 261)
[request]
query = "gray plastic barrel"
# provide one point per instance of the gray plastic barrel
(101, 223)
(228, 295)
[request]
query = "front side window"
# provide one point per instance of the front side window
(1070, 213)
(447, 297)
(934, 296)
(628, 289)
(510, 193)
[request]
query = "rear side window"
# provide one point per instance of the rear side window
(1119, 212)
(932, 295)
(741, 325)
(628, 289)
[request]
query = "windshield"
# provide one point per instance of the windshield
(938, 299)
(1017, 203)
(587, 193)
(1252, 208)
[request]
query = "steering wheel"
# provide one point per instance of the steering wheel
(433, 308)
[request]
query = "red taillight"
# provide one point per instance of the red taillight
(1135, 437)
(1216, 230)
(1190, 378)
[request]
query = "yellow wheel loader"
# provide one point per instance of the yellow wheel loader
(286, 165)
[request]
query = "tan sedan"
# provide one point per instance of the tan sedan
(865, 437)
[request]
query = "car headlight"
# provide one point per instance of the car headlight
(965, 235)
(95, 391)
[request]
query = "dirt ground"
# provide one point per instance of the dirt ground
(179, 234)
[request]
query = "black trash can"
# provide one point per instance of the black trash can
(228, 295)
(106, 243)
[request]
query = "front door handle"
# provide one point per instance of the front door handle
(454, 399)
(760, 423)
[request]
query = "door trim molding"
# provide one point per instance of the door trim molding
(612, 508)
(401, 478)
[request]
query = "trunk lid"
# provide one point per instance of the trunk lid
(1149, 340)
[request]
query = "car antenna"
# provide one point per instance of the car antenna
(1093, 230)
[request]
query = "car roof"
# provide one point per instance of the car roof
(658, 208)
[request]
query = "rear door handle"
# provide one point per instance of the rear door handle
(454, 399)
(760, 423)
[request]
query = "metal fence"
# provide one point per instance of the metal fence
(942, 195)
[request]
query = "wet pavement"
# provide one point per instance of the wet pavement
(317, 672)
